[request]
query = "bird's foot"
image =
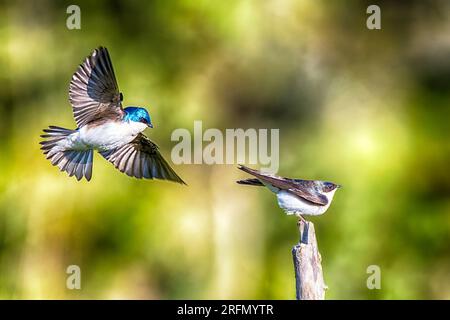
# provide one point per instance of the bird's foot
(304, 229)
(301, 219)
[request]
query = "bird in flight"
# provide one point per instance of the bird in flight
(295, 196)
(103, 125)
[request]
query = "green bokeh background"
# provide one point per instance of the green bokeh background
(367, 109)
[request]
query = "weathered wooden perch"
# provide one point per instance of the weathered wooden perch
(309, 282)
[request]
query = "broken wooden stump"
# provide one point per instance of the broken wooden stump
(309, 282)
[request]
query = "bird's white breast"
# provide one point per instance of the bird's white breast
(292, 204)
(110, 135)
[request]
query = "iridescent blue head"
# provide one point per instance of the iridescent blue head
(137, 114)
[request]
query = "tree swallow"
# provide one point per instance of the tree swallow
(103, 125)
(295, 196)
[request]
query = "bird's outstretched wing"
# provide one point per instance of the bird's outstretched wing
(141, 159)
(301, 188)
(93, 91)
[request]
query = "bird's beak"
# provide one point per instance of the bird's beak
(339, 186)
(150, 125)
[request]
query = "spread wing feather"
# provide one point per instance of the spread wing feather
(93, 90)
(141, 159)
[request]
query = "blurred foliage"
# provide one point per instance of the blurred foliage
(367, 109)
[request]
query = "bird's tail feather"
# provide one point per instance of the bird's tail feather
(76, 163)
(250, 182)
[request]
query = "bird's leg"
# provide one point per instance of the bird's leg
(302, 219)
(304, 229)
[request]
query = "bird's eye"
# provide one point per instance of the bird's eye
(143, 120)
(328, 186)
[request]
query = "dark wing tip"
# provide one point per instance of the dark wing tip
(100, 49)
(176, 178)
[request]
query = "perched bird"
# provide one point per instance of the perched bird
(295, 196)
(103, 125)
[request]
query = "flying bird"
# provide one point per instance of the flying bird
(103, 125)
(295, 196)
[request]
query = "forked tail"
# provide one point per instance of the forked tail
(56, 147)
(250, 182)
